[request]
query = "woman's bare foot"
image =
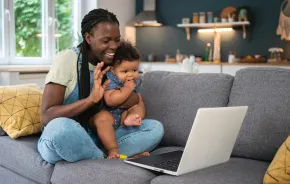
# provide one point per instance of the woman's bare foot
(144, 154)
(132, 120)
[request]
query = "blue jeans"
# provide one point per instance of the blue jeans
(66, 139)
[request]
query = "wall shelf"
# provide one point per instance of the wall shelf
(214, 25)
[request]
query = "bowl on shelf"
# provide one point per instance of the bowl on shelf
(251, 59)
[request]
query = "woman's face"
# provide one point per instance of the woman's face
(104, 40)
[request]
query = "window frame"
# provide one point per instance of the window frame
(49, 20)
(5, 41)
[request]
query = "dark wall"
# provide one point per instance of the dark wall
(261, 35)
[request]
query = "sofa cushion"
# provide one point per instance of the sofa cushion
(20, 109)
(10, 177)
(109, 171)
(174, 98)
(235, 171)
(267, 123)
(279, 169)
(21, 156)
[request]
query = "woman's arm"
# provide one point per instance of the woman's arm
(53, 96)
(52, 104)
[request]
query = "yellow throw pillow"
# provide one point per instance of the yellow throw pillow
(20, 109)
(279, 169)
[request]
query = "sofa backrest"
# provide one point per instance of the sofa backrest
(267, 124)
(174, 98)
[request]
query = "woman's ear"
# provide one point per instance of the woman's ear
(88, 38)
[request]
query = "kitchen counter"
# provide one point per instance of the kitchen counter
(209, 67)
(25, 68)
(226, 63)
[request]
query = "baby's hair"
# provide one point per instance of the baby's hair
(90, 22)
(125, 51)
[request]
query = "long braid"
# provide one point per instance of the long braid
(89, 22)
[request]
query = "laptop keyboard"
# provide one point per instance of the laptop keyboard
(171, 165)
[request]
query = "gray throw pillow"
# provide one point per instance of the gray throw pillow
(2, 133)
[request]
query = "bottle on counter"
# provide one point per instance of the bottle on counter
(186, 66)
(206, 52)
(194, 65)
(231, 57)
(178, 56)
(151, 57)
(210, 57)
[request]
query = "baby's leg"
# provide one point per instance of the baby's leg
(123, 116)
(132, 120)
(103, 123)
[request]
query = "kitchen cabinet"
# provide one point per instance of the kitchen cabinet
(174, 67)
(207, 67)
(233, 68)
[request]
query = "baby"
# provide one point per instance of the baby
(123, 87)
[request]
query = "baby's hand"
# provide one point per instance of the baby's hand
(113, 153)
(133, 120)
(130, 84)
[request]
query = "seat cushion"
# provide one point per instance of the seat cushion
(108, 171)
(174, 98)
(21, 156)
(267, 123)
(235, 171)
(10, 177)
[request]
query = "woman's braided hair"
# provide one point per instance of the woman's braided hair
(89, 23)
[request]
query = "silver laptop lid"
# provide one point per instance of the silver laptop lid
(212, 137)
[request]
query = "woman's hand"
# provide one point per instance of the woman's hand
(99, 89)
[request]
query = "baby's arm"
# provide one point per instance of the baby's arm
(114, 98)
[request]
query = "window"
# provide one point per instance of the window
(67, 33)
(1, 29)
(35, 30)
(28, 19)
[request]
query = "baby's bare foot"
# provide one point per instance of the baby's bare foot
(144, 154)
(132, 120)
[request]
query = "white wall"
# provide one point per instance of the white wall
(87, 6)
(125, 11)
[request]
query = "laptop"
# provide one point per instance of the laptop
(210, 142)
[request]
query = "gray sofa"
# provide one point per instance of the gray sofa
(173, 99)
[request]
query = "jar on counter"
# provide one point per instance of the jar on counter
(195, 18)
(201, 17)
(209, 17)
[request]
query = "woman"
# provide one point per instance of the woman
(71, 98)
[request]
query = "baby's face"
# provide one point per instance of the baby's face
(127, 70)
